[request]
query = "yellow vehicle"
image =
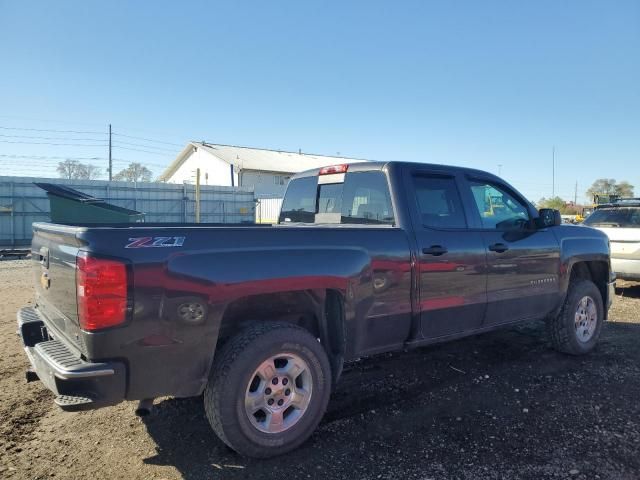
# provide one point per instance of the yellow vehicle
(598, 199)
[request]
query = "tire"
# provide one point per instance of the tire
(572, 332)
(239, 383)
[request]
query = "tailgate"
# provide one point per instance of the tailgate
(54, 249)
(625, 242)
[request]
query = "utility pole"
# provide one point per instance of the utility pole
(553, 170)
(197, 195)
(575, 194)
(110, 162)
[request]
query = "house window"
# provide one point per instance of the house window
(281, 179)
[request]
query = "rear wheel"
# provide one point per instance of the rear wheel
(577, 327)
(268, 389)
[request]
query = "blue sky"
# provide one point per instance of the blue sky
(468, 83)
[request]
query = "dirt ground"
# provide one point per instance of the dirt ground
(498, 406)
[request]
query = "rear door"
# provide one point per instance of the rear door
(451, 257)
(523, 261)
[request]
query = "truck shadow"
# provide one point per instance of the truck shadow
(628, 289)
(389, 410)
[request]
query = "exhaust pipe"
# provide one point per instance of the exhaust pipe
(144, 407)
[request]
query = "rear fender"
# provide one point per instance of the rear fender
(232, 277)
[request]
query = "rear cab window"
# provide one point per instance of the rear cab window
(360, 198)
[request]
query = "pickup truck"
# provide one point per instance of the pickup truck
(366, 258)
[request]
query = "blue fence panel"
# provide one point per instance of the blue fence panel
(22, 203)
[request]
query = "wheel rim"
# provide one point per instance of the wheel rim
(586, 319)
(278, 393)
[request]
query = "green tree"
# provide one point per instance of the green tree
(135, 172)
(556, 203)
(624, 189)
(608, 186)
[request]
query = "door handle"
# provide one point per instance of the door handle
(434, 250)
(498, 247)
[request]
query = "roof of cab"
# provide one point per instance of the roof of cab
(379, 165)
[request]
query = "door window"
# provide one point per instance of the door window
(498, 209)
(439, 202)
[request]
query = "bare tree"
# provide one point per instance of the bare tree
(89, 172)
(135, 172)
(73, 169)
(69, 169)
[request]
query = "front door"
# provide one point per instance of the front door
(451, 258)
(523, 261)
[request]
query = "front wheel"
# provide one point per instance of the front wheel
(268, 389)
(577, 327)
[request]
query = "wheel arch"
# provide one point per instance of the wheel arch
(319, 311)
(595, 270)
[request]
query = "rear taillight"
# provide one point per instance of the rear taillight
(333, 169)
(101, 291)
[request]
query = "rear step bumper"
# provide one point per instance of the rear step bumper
(77, 384)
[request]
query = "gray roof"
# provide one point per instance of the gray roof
(246, 158)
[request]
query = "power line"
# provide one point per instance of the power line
(54, 138)
(40, 166)
(56, 144)
(145, 151)
(40, 160)
(146, 146)
(147, 139)
(47, 157)
(50, 130)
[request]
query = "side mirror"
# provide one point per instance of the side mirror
(548, 217)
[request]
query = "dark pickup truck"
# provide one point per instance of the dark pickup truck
(366, 258)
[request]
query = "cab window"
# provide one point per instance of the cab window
(361, 198)
(299, 204)
(438, 202)
(499, 209)
(366, 199)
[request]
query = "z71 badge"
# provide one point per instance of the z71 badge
(157, 242)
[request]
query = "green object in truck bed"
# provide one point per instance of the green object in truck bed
(74, 207)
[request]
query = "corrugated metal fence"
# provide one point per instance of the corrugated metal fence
(22, 203)
(268, 210)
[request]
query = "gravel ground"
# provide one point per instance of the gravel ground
(497, 406)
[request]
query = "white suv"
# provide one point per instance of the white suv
(621, 222)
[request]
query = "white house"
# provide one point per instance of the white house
(267, 171)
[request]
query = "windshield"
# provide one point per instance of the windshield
(626, 217)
